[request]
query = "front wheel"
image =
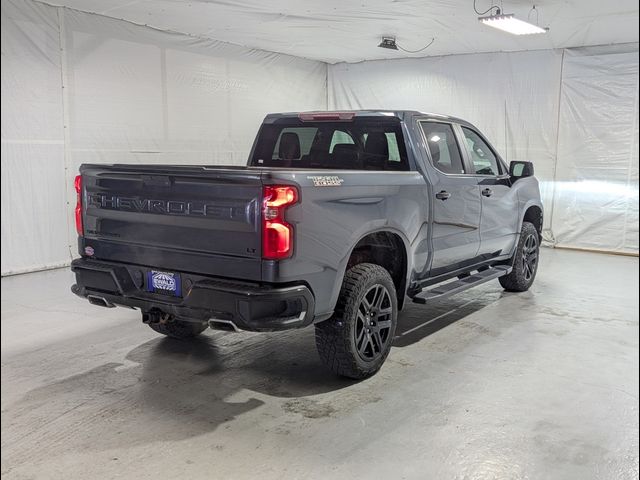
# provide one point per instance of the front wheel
(525, 262)
(356, 340)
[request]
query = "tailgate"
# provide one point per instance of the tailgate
(200, 219)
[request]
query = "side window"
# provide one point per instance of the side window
(443, 146)
(340, 137)
(483, 158)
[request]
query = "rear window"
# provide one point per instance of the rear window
(361, 144)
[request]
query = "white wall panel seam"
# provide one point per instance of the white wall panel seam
(64, 83)
(550, 237)
(632, 134)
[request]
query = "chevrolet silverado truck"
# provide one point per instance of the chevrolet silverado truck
(336, 221)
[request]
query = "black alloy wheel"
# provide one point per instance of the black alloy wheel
(373, 323)
(530, 256)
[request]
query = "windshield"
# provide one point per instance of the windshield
(361, 144)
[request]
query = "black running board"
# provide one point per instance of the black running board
(465, 283)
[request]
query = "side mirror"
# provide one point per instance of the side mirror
(520, 170)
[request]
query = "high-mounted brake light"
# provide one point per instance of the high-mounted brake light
(327, 116)
(78, 184)
(277, 234)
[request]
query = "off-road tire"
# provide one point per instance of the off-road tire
(336, 338)
(178, 329)
(522, 276)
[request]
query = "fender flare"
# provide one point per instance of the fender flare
(527, 206)
(342, 267)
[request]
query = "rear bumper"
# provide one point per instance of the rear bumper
(249, 306)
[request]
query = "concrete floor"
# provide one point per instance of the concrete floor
(484, 385)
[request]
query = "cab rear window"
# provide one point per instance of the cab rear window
(361, 144)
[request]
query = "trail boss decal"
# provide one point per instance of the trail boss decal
(326, 181)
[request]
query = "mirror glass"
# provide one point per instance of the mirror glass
(518, 169)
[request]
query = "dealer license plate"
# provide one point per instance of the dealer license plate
(167, 283)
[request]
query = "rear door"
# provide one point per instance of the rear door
(500, 214)
(456, 200)
(197, 219)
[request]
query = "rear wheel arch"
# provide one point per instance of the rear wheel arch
(388, 249)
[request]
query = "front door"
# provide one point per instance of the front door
(456, 201)
(500, 217)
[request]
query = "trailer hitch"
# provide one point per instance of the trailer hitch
(155, 315)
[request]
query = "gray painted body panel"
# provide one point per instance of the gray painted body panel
(499, 225)
(341, 216)
(328, 221)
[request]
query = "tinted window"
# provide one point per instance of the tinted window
(304, 138)
(483, 159)
(392, 145)
(443, 146)
(340, 137)
(364, 143)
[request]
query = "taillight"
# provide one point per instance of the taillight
(277, 234)
(78, 184)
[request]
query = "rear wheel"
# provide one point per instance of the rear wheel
(356, 340)
(525, 262)
(178, 328)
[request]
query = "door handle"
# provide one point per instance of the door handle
(487, 192)
(442, 195)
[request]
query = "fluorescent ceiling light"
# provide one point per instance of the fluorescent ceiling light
(511, 24)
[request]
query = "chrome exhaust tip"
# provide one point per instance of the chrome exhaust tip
(100, 301)
(220, 324)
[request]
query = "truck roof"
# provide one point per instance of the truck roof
(401, 114)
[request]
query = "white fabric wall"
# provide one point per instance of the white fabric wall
(574, 113)
(78, 88)
(131, 94)
(596, 181)
(34, 212)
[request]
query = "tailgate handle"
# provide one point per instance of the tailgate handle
(156, 180)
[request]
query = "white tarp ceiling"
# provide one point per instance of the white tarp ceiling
(338, 30)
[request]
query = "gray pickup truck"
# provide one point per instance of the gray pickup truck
(337, 219)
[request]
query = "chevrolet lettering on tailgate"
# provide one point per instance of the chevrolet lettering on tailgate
(166, 207)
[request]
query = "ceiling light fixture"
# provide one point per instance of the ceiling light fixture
(390, 43)
(509, 23)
